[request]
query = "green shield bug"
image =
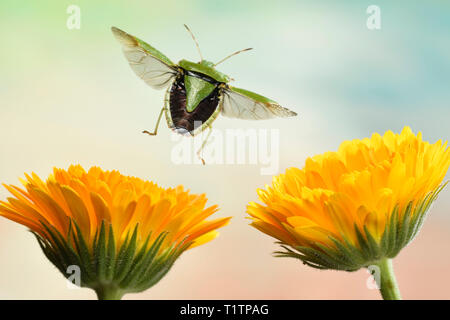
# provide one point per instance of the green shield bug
(197, 92)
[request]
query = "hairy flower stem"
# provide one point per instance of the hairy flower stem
(108, 293)
(388, 284)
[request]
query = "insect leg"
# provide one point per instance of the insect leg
(199, 152)
(155, 132)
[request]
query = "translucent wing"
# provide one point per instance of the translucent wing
(148, 63)
(244, 104)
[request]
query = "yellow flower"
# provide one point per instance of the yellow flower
(351, 208)
(123, 232)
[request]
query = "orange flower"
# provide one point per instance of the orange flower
(370, 194)
(104, 210)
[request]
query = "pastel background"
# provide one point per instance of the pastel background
(68, 96)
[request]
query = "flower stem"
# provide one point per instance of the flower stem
(109, 293)
(388, 284)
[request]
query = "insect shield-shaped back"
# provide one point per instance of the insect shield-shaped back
(192, 102)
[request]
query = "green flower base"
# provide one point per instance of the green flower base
(110, 271)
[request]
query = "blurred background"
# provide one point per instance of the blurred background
(68, 96)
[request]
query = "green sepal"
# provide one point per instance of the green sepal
(143, 259)
(125, 258)
(84, 254)
(400, 230)
(100, 253)
(162, 265)
(110, 257)
(110, 271)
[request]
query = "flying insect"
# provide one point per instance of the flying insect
(196, 91)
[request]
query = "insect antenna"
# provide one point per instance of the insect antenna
(195, 40)
(233, 54)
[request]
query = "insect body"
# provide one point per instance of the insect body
(197, 92)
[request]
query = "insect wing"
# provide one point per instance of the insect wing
(244, 104)
(148, 63)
